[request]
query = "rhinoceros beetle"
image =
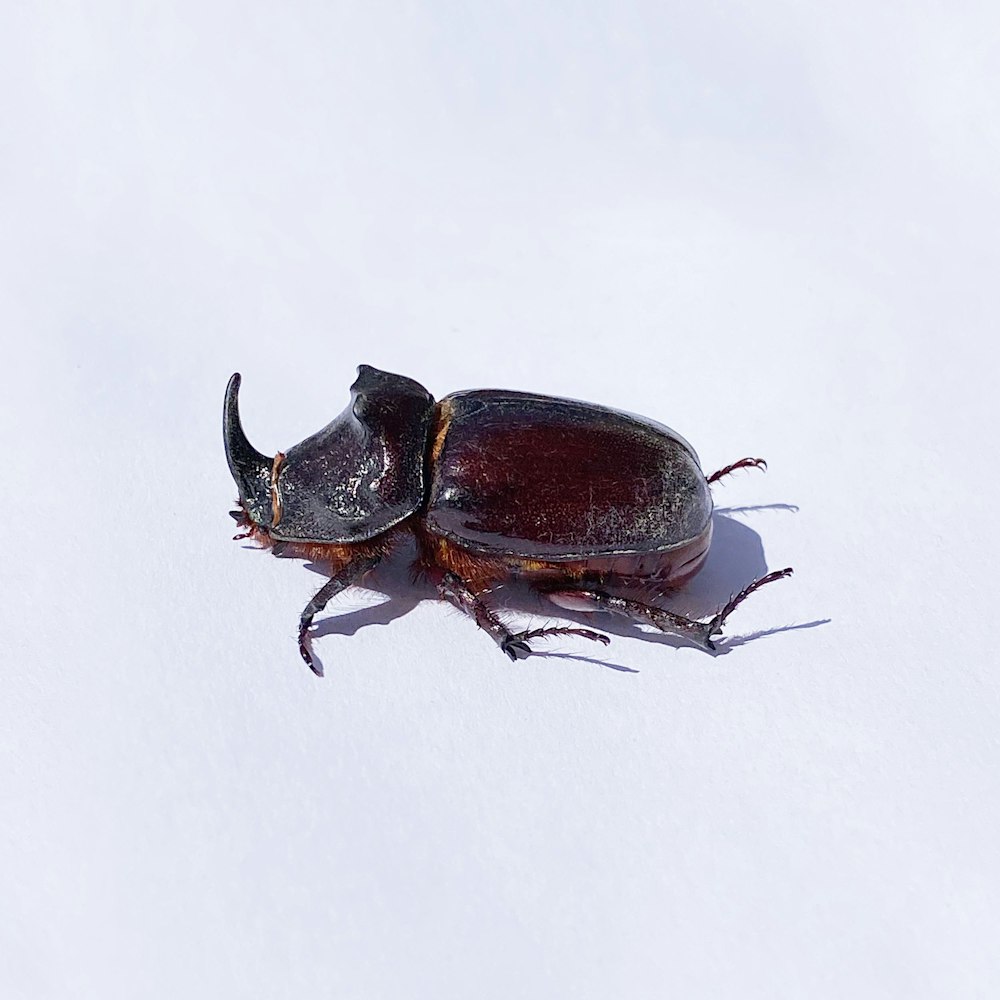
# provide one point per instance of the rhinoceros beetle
(582, 501)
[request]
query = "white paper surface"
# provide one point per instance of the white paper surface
(772, 227)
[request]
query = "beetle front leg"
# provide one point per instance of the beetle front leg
(346, 577)
(458, 593)
(699, 632)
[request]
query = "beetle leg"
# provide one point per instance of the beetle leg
(715, 625)
(454, 590)
(699, 632)
(348, 575)
(743, 463)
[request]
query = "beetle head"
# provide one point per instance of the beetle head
(355, 478)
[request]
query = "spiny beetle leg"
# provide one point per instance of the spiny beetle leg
(454, 590)
(660, 618)
(743, 463)
(699, 632)
(715, 625)
(519, 639)
(458, 593)
(348, 575)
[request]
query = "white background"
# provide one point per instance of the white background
(772, 226)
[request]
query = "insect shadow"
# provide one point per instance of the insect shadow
(735, 558)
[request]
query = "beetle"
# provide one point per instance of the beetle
(584, 502)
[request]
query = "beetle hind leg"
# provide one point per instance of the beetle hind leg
(743, 463)
(699, 632)
(458, 593)
(519, 640)
(715, 625)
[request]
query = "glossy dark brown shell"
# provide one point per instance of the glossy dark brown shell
(364, 471)
(555, 479)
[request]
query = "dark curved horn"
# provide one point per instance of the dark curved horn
(250, 469)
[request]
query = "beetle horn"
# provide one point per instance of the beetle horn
(250, 469)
